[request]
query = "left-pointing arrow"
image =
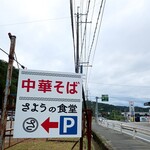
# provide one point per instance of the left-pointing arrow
(47, 124)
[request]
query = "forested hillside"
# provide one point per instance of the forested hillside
(113, 112)
(109, 108)
(3, 74)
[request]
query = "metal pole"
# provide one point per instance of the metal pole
(7, 90)
(89, 128)
(77, 52)
(77, 66)
(96, 110)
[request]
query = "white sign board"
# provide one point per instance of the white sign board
(49, 105)
(131, 108)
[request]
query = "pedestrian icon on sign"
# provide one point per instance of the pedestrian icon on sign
(30, 124)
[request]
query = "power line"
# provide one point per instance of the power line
(91, 24)
(4, 51)
(95, 31)
(102, 4)
(16, 59)
(93, 38)
(143, 86)
(83, 56)
(85, 27)
(12, 58)
(34, 21)
(99, 30)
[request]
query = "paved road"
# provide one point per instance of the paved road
(115, 140)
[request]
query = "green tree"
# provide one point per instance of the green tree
(3, 74)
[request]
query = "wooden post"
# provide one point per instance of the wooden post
(7, 90)
(89, 127)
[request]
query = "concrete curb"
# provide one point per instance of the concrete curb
(102, 142)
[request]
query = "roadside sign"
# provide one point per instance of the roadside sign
(105, 98)
(49, 105)
(132, 111)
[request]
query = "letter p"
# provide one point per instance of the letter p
(68, 125)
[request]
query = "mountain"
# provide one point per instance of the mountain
(109, 108)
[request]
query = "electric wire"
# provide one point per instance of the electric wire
(16, 59)
(91, 24)
(13, 58)
(81, 10)
(124, 85)
(99, 30)
(4, 51)
(83, 93)
(89, 41)
(96, 26)
(83, 56)
(35, 21)
(104, 2)
(85, 28)
(102, 5)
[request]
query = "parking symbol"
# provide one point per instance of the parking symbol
(68, 125)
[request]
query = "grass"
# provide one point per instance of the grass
(43, 144)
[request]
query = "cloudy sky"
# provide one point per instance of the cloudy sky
(121, 55)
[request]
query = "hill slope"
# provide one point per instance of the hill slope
(3, 74)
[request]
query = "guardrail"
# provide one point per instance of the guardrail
(133, 130)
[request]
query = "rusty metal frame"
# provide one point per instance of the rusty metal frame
(10, 142)
(86, 129)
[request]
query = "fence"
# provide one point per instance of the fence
(134, 130)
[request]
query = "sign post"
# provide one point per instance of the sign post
(132, 111)
(49, 105)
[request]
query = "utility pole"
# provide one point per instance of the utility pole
(77, 66)
(96, 110)
(77, 46)
(7, 90)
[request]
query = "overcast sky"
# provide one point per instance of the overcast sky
(121, 66)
